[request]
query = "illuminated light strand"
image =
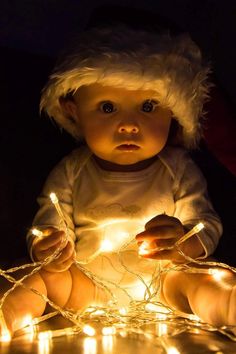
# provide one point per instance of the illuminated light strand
(145, 319)
(132, 318)
(56, 204)
(197, 228)
(145, 249)
(69, 331)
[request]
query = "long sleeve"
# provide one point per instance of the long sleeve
(193, 204)
(60, 181)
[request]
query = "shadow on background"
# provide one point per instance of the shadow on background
(30, 146)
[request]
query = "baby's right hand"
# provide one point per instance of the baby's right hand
(47, 244)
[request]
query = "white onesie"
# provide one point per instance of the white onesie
(105, 210)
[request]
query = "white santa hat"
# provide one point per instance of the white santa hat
(131, 59)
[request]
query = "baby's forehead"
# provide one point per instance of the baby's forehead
(97, 91)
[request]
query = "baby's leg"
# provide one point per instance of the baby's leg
(22, 302)
(71, 289)
(211, 299)
(75, 290)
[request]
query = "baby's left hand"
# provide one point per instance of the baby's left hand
(162, 231)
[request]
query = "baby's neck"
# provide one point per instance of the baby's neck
(110, 166)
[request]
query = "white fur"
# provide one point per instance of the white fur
(134, 60)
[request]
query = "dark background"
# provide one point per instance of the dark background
(32, 34)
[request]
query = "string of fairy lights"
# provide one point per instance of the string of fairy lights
(112, 319)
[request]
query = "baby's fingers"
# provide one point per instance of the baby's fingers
(66, 254)
(160, 232)
(50, 241)
(162, 220)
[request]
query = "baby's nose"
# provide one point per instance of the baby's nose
(128, 127)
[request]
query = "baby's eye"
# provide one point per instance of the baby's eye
(149, 106)
(107, 107)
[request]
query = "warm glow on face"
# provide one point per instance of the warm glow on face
(126, 136)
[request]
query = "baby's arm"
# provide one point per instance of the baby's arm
(163, 232)
(52, 240)
(60, 181)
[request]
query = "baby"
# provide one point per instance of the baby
(134, 99)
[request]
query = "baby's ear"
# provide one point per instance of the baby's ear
(69, 108)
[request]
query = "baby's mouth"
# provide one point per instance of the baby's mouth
(128, 147)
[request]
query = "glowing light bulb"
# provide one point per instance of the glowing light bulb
(90, 331)
(123, 333)
(217, 274)
(161, 316)
(123, 311)
(144, 248)
(106, 246)
(5, 336)
(172, 350)
(27, 321)
(45, 335)
(108, 331)
(37, 232)
(97, 313)
(191, 232)
(55, 202)
(194, 318)
(5, 333)
(162, 329)
(53, 198)
(90, 309)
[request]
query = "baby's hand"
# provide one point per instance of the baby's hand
(47, 244)
(162, 231)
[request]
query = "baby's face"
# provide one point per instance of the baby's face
(120, 126)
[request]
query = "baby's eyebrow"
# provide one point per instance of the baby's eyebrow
(103, 98)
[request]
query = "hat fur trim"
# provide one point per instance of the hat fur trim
(134, 60)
